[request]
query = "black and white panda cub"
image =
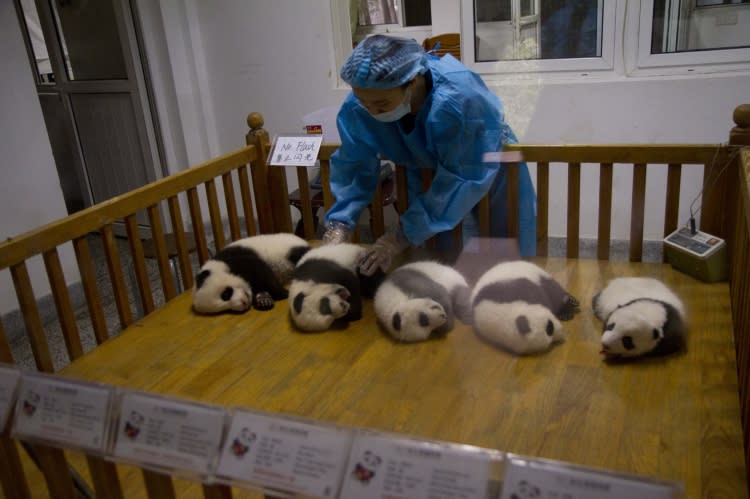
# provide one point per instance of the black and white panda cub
(420, 299)
(641, 316)
(327, 286)
(249, 271)
(518, 306)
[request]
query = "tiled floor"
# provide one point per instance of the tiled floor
(21, 349)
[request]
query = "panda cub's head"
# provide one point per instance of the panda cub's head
(634, 329)
(416, 319)
(315, 306)
(519, 327)
(218, 290)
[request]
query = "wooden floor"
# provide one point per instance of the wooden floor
(675, 418)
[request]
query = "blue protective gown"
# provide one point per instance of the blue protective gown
(458, 122)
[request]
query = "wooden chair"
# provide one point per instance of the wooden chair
(450, 43)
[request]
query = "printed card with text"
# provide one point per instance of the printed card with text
(385, 467)
(548, 480)
(9, 378)
(168, 433)
(67, 412)
(284, 454)
(298, 150)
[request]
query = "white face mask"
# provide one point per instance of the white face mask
(398, 112)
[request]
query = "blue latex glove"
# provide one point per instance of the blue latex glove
(380, 254)
(336, 232)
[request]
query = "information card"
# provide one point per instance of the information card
(63, 411)
(300, 150)
(284, 454)
(168, 433)
(527, 478)
(391, 468)
(8, 382)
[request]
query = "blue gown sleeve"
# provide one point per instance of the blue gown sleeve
(355, 171)
(460, 130)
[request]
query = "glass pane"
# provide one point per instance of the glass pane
(89, 38)
(417, 13)
(38, 46)
(570, 29)
(712, 24)
(372, 12)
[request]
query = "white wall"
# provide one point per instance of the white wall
(31, 193)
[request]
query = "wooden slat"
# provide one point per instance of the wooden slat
(217, 227)
(5, 354)
(402, 190)
(183, 256)
(377, 220)
(12, 478)
(199, 231)
(234, 222)
(637, 212)
(617, 153)
(56, 472)
(162, 258)
(325, 178)
(672, 202)
(306, 202)
(88, 279)
(65, 313)
(158, 485)
(51, 235)
(104, 477)
(719, 194)
(30, 312)
(119, 290)
(217, 492)
(513, 199)
(574, 209)
(247, 202)
(542, 217)
(605, 212)
(484, 217)
(139, 264)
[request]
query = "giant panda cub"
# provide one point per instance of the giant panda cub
(420, 299)
(641, 316)
(249, 271)
(518, 306)
(327, 287)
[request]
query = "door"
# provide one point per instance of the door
(92, 87)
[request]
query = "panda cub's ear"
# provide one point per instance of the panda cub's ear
(201, 278)
(298, 300)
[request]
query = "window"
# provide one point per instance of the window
(538, 35)
(694, 35)
(409, 18)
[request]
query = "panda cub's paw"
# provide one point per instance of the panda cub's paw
(570, 307)
(263, 301)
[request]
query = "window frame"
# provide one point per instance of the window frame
(675, 63)
(586, 65)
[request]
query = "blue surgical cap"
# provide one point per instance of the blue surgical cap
(381, 61)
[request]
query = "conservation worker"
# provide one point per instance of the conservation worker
(421, 111)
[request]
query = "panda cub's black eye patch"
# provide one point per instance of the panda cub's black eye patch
(396, 321)
(424, 321)
(201, 278)
(550, 328)
(656, 334)
(610, 326)
(298, 302)
(226, 295)
(627, 342)
(325, 306)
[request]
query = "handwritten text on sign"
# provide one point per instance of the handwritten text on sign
(295, 151)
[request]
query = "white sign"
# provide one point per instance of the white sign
(286, 455)
(168, 433)
(63, 411)
(382, 467)
(547, 481)
(300, 150)
(8, 382)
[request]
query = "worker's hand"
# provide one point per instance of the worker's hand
(336, 232)
(380, 254)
